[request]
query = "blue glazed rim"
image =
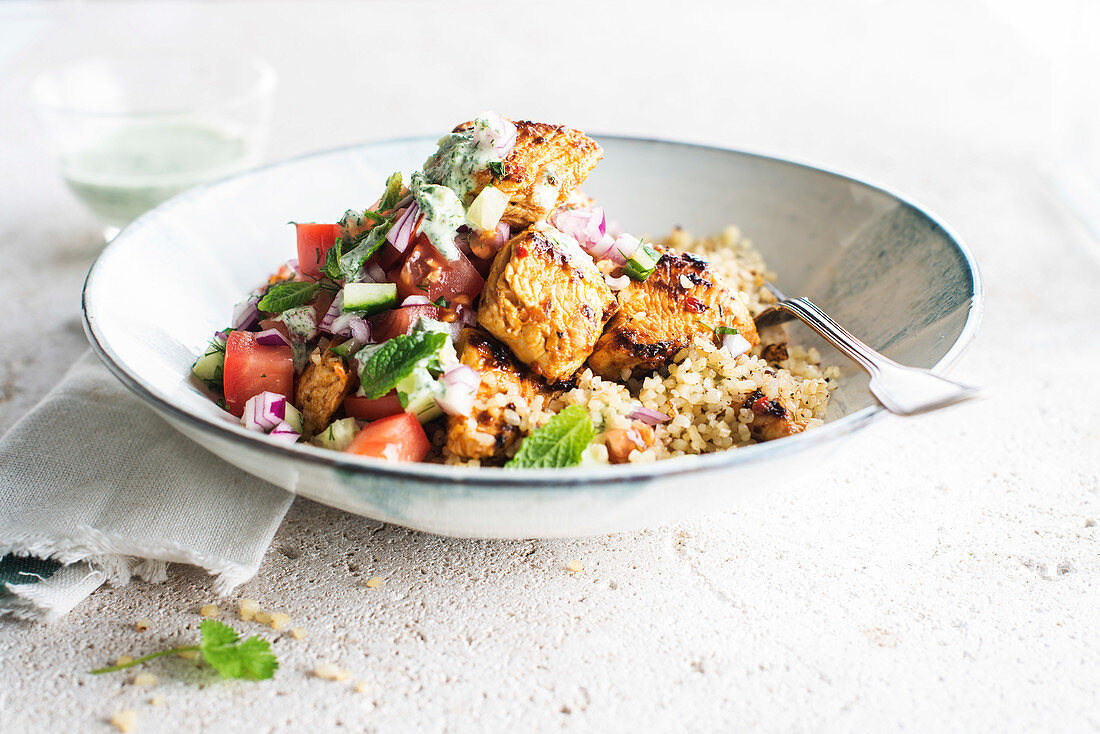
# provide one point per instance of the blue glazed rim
(493, 477)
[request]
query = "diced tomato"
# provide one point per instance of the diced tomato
(314, 242)
(252, 368)
(427, 273)
(395, 438)
(367, 409)
(397, 321)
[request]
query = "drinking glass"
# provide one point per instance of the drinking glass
(133, 129)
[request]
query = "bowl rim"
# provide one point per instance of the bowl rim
(485, 477)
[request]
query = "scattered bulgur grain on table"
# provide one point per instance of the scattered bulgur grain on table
(142, 625)
(279, 621)
(209, 610)
(124, 660)
(145, 679)
(328, 671)
(188, 654)
(575, 566)
(249, 607)
(374, 582)
(262, 617)
(298, 633)
(362, 687)
(124, 720)
(156, 700)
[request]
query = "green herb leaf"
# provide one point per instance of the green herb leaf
(499, 170)
(350, 261)
(441, 302)
(222, 647)
(396, 358)
(559, 443)
(723, 330)
(331, 266)
(283, 296)
(393, 193)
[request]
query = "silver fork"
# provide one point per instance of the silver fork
(901, 390)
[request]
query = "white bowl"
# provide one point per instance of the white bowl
(878, 264)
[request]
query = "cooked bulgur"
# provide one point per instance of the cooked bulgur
(708, 394)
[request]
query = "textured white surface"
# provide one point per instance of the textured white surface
(940, 574)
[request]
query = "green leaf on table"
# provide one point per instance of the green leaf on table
(284, 296)
(396, 359)
(223, 648)
(559, 443)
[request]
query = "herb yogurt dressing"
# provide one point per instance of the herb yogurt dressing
(446, 186)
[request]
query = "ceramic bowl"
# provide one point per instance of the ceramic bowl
(877, 263)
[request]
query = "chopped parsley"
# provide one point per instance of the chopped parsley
(499, 170)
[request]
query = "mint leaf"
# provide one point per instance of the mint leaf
(557, 444)
(331, 266)
(393, 193)
(283, 296)
(350, 261)
(395, 360)
(221, 646)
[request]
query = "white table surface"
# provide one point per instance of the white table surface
(940, 573)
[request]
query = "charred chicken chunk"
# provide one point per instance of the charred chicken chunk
(547, 301)
(547, 163)
(681, 300)
(486, 433)
(322, 387)
(772, 419)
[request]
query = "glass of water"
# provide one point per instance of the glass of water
(131, 130)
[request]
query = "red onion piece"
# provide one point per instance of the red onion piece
(599, 250)
(221, 337)
(401, 231)
(735, 344)
(272, 338)
(375, 271)
(617, 284)
(416, 301)
(465, 315)
(624, 248)
(332, 314)
(285, 432)
(648, 416)
(246, 314)
(461, 383)
(264, 411)
(353, 326)
(585, 224)
(403, 202)
(498, 134)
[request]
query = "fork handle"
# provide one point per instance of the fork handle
(901, 390)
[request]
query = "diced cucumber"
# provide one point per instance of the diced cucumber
(338, 436)
(293, 417)
(209, 367)
(642, 263)
(418, 392)
(369, 298)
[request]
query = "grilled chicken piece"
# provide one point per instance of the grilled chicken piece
(681, 300)
(547, 301)
(547, 163)
(485, 433)
(772, 418)
(321, 388)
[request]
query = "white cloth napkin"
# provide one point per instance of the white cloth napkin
(95, 480)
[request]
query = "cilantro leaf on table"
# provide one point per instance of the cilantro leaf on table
(396, 358)
(559, 443)
(223, 650)
(284, 296)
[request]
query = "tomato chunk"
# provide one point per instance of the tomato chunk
(395, 438)
(397, 321)
(314, 242)
(427, 273)
(252, 368)
(367, 409)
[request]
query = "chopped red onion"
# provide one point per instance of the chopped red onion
(648, 416)
(495, 132)
(332, 314)
(349, 324)
(221, 337)
(403, 202)
(585, 224)
(272, 338)
(460, 389)
(599, 250)
(624, 248)
(285, 432)
(375, 271)
(416, 301)
(246, 314)
(464, 314)
(264, 411)
(735, 344)
(401, 232)
(617, 284)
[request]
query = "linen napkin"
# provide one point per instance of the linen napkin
(95, 487)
